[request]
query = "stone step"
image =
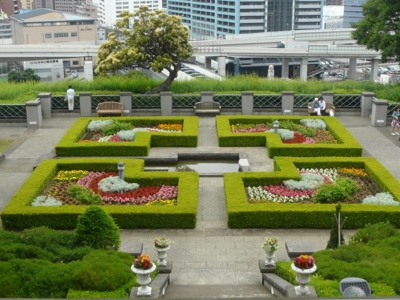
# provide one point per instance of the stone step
(217, 291)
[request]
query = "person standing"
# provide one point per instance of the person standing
(396, 121)
(71, 98)
(316, 107)
(322, 105)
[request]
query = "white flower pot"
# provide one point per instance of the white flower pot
(143, 278)
(269, 255)
(303, 277)
(162, 254)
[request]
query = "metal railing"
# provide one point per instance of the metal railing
(12, 111)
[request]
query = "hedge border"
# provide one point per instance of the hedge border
(242, 214)
(18, 214)
(69, 146)
(347, 144)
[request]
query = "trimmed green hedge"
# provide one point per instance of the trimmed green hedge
(242, 214)
(18, 214)
(346, 146)
(69, 146)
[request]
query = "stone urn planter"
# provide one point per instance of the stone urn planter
(303, 278)
(143, 278)
(162, 255)
(270, 258)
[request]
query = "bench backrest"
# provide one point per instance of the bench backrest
(207, 104)
(110, 105)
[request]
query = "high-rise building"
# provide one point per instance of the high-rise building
(87, 9)
(219, 17)
(59, 5)
(10, 7)
(108, 11)
(333, 2)
(352, 12)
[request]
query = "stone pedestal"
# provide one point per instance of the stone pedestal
(328, 96)
(379, 112)
(34, 117)
(207, 97)
(366, 103)
(126, 99)
(85, 100)
(247, 103)
(298, 248)
(166, 103)
(45, 100)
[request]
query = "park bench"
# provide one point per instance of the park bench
(329, 106)
(110, 108)
(207, 107)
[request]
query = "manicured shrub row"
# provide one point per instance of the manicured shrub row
(241, 214)
(346, 146)
(18, 214)
(69, 145)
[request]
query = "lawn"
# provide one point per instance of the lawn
(4, 144)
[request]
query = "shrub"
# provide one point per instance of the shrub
(22, 251)
(115, 184)
(340, 190)
(84, 195)
(309, 181)
(96, 125)
(69, 255)
(97, 229)
(46, 201)
(313, 123)
(47, 238)
(381, 199)
(376, 231)
(115, 127)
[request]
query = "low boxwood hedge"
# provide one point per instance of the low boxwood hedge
(346, 146)
(18, 214)
(69, 145)
(242, 214)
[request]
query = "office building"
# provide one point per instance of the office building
(10, 7)
(352, 12)
(108, 11)
(59, 5)
(87, 9)
(333, 2)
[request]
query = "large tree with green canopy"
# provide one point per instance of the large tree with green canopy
(380, 27)
(155, 40)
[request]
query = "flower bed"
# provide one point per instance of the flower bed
(269, 214)
(333, 140)
(178, 211)
(104, 136)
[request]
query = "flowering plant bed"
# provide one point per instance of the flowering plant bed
(142, 262)
(161, 242)
(328, 137)
(304, 262)
(268, 214)
(330, 185)
(127, 136)
(147, 210)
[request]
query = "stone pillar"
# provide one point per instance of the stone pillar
(192, 59)
(126, 99)
(287, 103)
(207, 97)
(328, 96)
(166, 103)
(247, 103)
(285, 68)
(88, 70)
(379, 112)
(366, 103)
(303, 69)
(34, 117)
(352, 68)
(374, 69)
(208, 63)
(222, 66)
(85, 100)
(45, 99)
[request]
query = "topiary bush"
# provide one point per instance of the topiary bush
(84, 195)
(376, 231)
(340, 190)
(115, 127)
(97, 229)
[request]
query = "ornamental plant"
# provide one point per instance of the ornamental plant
(142, 262)
(270, 244)
(304, 261)
(161, 242)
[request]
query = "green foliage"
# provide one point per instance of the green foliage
(115, 127)
(333, 241)
(378, 29)
(84, 195)
(119, 293)
(26, 75)
(97, 229)
(375, 231)
(342, 189)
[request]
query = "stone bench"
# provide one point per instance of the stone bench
(110, 108)
(207, 107)
(329, 106)
(298, 248)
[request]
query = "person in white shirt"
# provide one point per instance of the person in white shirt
(322, 105)
(70, 97)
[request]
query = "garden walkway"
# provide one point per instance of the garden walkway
(210, 254)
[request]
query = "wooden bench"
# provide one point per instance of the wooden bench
(329, 106)
(207, 107)
(110, 108)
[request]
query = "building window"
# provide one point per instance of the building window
(60, 34)
(48, 35)
(74, 34)
(75, 62)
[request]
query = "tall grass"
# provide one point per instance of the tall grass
(21, 92)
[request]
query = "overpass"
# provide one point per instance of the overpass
(298, 44)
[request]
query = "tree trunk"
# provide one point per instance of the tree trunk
(167, 83)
